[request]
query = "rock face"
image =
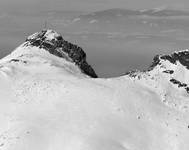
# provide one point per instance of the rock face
(56, 45)
(180, 56)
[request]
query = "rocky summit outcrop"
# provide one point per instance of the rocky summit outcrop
(56, 45)
(179, 56)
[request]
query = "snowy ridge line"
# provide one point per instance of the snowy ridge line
(48, 103)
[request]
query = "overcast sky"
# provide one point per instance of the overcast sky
(88, 5)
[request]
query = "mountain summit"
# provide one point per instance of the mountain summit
(49, 101)
(179, 56)
(54, 43)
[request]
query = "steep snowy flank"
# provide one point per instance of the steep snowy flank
(48, 101)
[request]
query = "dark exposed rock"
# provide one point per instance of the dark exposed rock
(181, 56)
(56, 45)
(169, 58)
(182, 85)
(132, 73)
(17, 60)
(174, 81)
(155, 62)
(187, 89)
(169, 71)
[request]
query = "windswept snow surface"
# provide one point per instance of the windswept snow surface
(47, 103)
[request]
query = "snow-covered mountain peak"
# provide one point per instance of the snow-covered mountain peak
(49, 42)
(178, 59)
(168, 76)
(173, 67)
(47, 103)
(48, 35)
(179, 56)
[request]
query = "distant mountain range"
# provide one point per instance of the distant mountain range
(155, 12)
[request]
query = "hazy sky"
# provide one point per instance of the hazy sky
(88, 5)
(108, 59)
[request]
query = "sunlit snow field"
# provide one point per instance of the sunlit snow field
(114, 43)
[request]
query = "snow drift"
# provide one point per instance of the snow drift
(50, 99)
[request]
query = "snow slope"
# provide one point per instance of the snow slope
(48, 103)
